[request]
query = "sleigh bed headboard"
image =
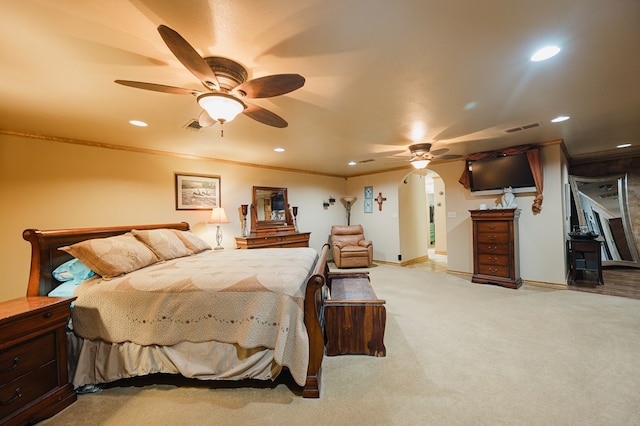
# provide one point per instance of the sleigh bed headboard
(45, 256)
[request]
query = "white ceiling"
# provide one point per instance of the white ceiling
(373, 68)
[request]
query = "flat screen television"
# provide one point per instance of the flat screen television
(490, 175)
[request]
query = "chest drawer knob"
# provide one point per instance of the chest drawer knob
(17, 395)
(47, 315)
(16, 361)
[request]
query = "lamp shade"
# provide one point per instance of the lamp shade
(419, 163)
(349, 199)
(220, 106)
(218, 216)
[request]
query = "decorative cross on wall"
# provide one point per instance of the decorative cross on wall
(380, 199)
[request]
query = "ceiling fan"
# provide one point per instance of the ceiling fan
(420, 155)
(226, 85)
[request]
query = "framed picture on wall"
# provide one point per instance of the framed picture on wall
(197, 192)
(368, 205)
(368, 192)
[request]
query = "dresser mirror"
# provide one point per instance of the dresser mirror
(602, 207)
(270, 209)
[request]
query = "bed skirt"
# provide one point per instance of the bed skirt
(94, 362)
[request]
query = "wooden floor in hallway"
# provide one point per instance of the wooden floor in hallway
(618, 281)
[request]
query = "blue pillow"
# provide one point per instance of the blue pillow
(64, 290)
(73, 270)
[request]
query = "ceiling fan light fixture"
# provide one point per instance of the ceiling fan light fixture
(220, 106)
(419, 163)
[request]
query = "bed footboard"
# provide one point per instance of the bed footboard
(313, 311)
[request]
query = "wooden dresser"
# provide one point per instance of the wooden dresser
(495, 247)
(292, 239)
(34, 383)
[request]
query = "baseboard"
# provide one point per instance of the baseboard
(545, 284)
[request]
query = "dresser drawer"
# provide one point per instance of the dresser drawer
(493, 259)
(493, 248)
(494, 270)
(27, 356)
(27, 388)
(489, 226)
(492, 237)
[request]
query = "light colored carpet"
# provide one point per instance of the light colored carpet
(457, 354)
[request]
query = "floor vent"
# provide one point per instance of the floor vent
(193, 125)
(525, 127)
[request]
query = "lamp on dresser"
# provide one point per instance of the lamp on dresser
(218, 217)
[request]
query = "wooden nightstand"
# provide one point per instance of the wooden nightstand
(34, 383)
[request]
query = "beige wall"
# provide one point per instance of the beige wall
(413, 218)
(380, 226)
(50, 185)
(542, 236)
(440, 215)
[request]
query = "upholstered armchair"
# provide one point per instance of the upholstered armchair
(349, 248)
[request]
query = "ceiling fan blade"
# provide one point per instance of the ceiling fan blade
(440, 151)
(205, 120)
(158, 87)
(269, 86)
(264, 116)
(189, 57)
(447, 157)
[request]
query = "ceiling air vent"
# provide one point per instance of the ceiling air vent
(366, 161)
(193, 125)
(525, 127)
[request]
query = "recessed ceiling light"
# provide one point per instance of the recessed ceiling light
(545, 53)
(138, 123)
(352, 163)
(278, 149)
(560, 118)
(624, 145)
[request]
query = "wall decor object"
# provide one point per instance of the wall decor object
(197, 192)
(368, 192)
(380, 199)
(368, 205)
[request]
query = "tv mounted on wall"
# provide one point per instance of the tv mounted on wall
(490, 175)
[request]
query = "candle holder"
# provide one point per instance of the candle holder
(295, 217)
(245, 210)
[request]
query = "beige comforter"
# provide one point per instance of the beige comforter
(250, 297)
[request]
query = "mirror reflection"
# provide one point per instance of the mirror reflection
(270, 210)
(601, 205)
(270, 204)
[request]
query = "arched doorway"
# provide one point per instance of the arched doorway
(422, 217)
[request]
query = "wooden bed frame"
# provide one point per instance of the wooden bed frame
(45, 257)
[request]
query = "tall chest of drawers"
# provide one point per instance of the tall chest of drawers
(34, 382)
(495, 247)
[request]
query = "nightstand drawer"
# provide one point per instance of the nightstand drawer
(20, 392)
(34, 322)
(26, 357)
